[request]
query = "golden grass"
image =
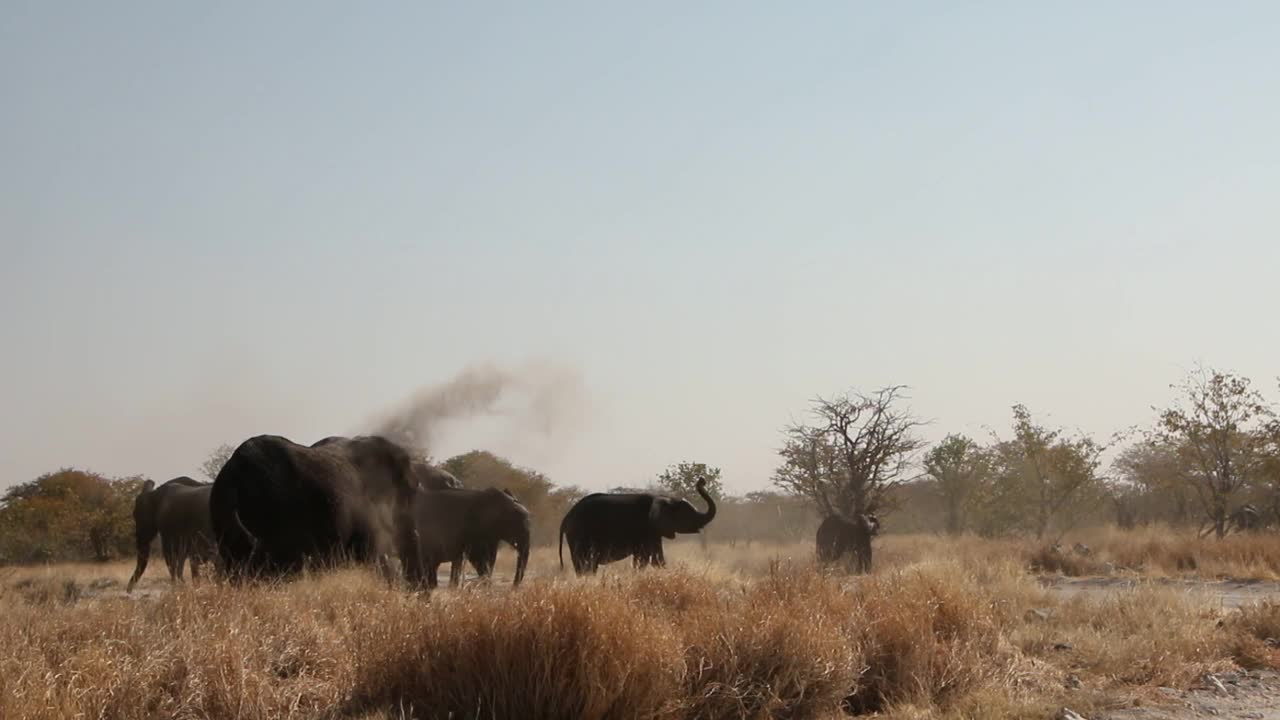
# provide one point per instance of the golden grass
(942, 629)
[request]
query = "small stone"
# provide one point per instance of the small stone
(1067, 713)
(1062, 646)
(1040, 614)
(1073, 682)
(1214, 684)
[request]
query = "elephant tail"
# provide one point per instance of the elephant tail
(236, 545)
(562, 522)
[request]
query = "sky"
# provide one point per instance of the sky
(240, 218)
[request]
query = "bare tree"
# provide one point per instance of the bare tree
(853, 452)
(212, 465)
(1220, 431)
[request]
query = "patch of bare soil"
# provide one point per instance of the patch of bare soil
(1226, 594)
(1251, 695)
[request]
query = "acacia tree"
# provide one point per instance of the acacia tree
(853, 451)
(1150, 484)
(1041, 474)
(958, 466)
(1220, 430)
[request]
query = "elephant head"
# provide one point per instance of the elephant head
(870, 524)
(508, 520)
(430, 477)
(672, 515)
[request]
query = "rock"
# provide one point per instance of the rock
(1109, 567)
(1072, 682)
(1067, 713)
(1062, 646)
(1038, 614)
(1214, 684)
(1082, 549)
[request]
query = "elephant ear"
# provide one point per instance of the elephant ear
(662, 518)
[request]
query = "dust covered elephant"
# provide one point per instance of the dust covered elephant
(278, 506)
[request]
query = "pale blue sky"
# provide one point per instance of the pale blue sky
(220, 221)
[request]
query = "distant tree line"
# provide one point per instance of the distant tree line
(1210, 460)
(1208, 457)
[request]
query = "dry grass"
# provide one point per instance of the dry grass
(942, 629)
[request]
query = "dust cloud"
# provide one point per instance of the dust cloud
(534, 399)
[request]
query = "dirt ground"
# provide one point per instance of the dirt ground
(1222, 594)
(1251, 695)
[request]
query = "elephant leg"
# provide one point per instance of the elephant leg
(171, 561)
(659, 558)
(579, 562)
(455, 571)
(433, 573)
(195, 568)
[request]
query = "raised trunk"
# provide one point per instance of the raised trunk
(407, 541)
(710, 514)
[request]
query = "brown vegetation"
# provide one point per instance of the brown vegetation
(941, 630)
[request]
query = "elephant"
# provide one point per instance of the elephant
(429, 476)
(605, 527)
(838, 537)
(459, 522)
(278, 506)
(1246, 518)
(178, 511)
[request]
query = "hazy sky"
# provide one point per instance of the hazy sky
(224, 220)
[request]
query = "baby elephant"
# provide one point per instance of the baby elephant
(458, 523)
(178, 511)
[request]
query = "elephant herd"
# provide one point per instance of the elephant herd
(277, 507)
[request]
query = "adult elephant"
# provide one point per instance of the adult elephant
(458, 523)
(1246, 518)
(177, 511)
(605, 527)
(839, 537)
(278, 506)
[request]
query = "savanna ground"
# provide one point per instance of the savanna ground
(943, 628)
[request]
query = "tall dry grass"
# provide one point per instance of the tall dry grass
(941, 629)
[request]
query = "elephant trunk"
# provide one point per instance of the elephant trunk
(710, 514)
(522, 554)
